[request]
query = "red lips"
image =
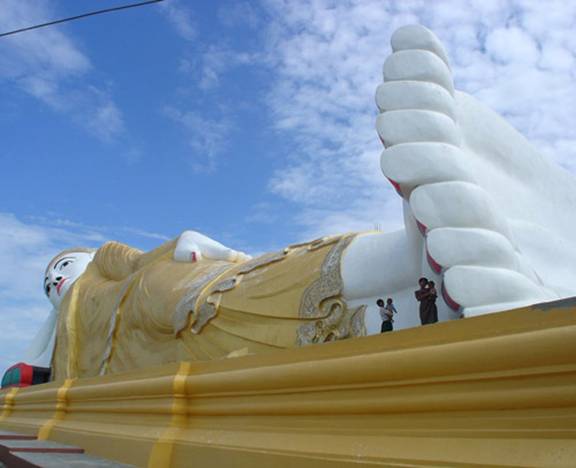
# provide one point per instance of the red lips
(59, 285)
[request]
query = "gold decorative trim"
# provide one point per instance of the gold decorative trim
(187, 304)
(162, 452)
(341, 323)
(321, 301)
(61, 403)
(313, 245)
(206, 312)
(300, 244)
(226, 285)
(261, 261)
(328, 285)
(358, 322)
(319, 243)
(8, 403)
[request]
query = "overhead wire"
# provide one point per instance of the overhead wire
(84, 15)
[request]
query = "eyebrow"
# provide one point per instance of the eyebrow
(62, 259)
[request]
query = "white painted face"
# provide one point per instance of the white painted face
(62, 272)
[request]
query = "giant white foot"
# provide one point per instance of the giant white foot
(496, 218)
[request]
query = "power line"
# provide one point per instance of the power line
(72, 18)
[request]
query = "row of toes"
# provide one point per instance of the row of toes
(467, 237)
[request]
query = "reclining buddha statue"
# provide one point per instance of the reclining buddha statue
(486, 216)
(192, 298)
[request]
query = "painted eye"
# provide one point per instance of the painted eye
(65, 264)
(47, 289)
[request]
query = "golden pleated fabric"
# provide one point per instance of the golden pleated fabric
(132, 310)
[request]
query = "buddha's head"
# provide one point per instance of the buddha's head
(63, 270)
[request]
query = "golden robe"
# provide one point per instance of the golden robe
(131, 310)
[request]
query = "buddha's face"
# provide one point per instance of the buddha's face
(62, 272)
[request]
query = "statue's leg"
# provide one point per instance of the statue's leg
(496, 217)
(381, 265)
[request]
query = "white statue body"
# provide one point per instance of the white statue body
(496, 216)
(486, 216)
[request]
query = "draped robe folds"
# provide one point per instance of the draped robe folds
(40, 352)
(131, 310)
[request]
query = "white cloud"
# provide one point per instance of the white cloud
(106, 120)
(242, 14)
(517, 56)
(206, 137)
(49, 66)
(204, 64)
(511, 45)
(206, 67)
(216, 60)
(180, 17)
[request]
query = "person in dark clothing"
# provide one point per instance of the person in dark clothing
(433, 297)
(427, 295)
(386, 314)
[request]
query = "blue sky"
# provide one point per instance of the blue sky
(146, 145)
(252, 122)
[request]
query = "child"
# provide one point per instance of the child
(386, 314)
(390, 306)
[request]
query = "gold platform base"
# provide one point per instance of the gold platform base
(498, 390)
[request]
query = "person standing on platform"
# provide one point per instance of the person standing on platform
(386, 314)
(427, 295)
(433, 296)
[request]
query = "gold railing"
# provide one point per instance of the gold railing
(498, 390)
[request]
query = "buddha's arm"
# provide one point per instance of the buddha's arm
(116, 261)
(192, 246)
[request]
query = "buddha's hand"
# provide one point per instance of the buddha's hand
(193, 247)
